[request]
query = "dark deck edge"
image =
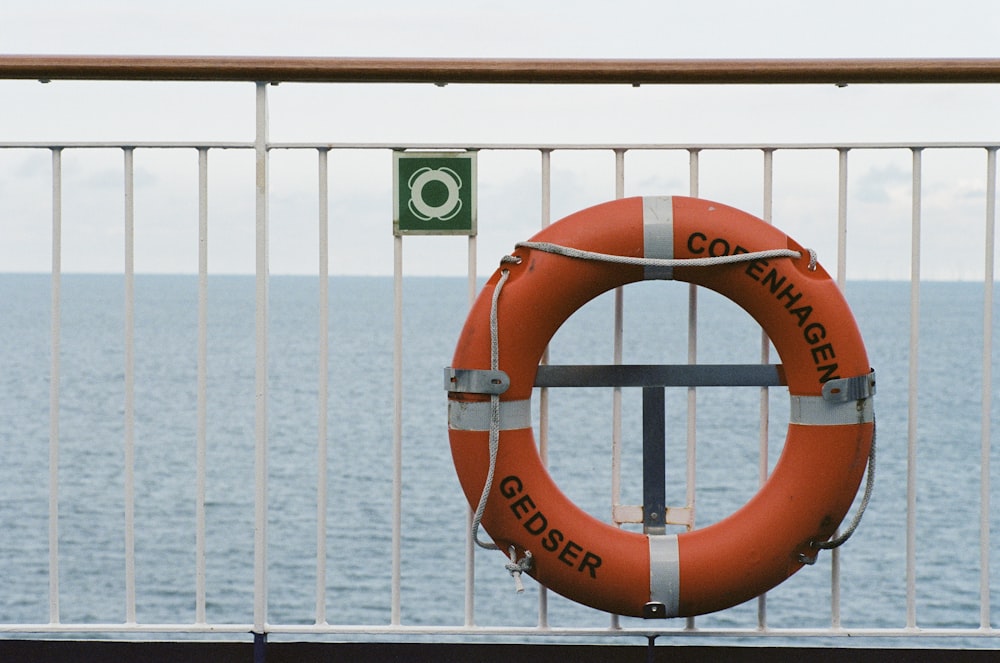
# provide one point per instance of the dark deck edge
(30, 651)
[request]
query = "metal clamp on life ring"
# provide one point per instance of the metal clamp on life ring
(825, 366)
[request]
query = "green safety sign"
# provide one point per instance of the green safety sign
(434, 193)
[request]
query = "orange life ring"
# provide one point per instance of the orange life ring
(813, 484)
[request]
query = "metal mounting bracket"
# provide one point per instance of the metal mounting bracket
(475, 381)
(843, 390)
(654, 610)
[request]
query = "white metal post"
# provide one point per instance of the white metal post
(763, 431)
(397, 429)
(543, 395)
(692, 358)
(324, 382)
(987, 390)
(470, 544)
(54, 378)
(260, 372)
(202, 423)
(842, 218)
(618, 356)
(129, 386)
(842, 282)
(911, 455)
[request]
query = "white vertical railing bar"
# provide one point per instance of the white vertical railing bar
(765, 357)
(54, 378)
(768, 194)
(842, 282)
(261, 277)
(471, 267)
(324, 381)
(470, 546)
(201, 450)
(543, 396)
(397, 426)
(129, 385)
(842, 219)
(619, 335)
(841, 278)
(617, 352)
(987, 393)
(692, 358)
(911, 455)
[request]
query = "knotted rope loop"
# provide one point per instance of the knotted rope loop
(518, 566)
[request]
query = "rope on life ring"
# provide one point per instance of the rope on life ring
(830, 435)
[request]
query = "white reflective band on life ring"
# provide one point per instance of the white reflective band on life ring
(819, 411)
(665, 572)
(658, 234)
(475, 416)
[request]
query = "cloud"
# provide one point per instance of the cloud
(881, 184)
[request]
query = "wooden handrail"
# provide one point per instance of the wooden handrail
(547, 71)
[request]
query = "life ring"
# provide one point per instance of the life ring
(761, 544)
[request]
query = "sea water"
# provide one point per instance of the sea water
(92, 428)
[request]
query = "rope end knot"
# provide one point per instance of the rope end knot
(518, 566)
(813, 261)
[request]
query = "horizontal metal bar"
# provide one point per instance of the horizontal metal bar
(472, 70)
(508, 147)
(630, 147)
(660, 375)
(127, 145)
(667, 630)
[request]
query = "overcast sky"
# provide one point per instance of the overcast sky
(954, 181)
(709, 28)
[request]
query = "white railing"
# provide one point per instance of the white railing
(321, 622)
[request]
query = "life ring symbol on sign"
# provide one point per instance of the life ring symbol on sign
(425, 211)
(830, 437)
